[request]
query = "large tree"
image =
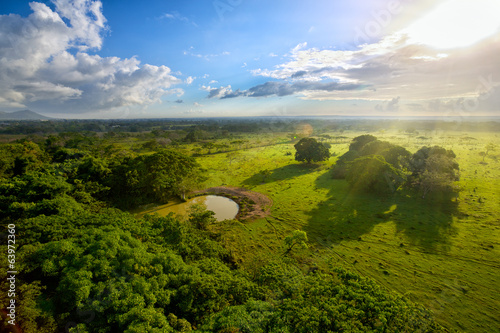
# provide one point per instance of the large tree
(373, 174)
(360, 141)
(155, 177)
(434, 168)
(368, 145)
(310, 150)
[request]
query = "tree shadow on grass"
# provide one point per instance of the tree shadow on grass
(427, 223)
(286, 172)
(348, 215)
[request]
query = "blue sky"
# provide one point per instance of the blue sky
(128, 59)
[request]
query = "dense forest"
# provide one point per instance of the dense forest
(85, 263)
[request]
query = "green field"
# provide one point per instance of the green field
(441, 253)
(440, 250)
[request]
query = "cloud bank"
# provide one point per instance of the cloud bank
(273, 88)
(46, 63)
(420, 76)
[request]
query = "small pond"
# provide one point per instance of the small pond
(224, 208)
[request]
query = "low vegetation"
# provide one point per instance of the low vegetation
(380, 232)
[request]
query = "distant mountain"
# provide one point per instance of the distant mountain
(22, 115)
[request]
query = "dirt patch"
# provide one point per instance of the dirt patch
(252, 204)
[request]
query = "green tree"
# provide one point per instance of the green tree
(93, 169)
(368, 145)
(155, 177)
(200, 217)
(165, 171)
(487, 149)
(360, 141)
(434, 169)
(19, 158)
(208, 146)
(310, 150)
(397, 156)
(339, 170)
(373, 174)
(298, 237)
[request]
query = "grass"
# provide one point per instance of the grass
(441, 253)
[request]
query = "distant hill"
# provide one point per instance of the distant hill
(22, 115)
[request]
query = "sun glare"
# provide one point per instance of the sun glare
(456, 23)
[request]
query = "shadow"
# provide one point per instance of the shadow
(349, 215)
(286, 172)
(427, 223)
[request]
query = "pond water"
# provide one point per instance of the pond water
(224, 208)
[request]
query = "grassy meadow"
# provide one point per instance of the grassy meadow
(441, 252)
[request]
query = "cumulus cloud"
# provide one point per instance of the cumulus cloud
(45, 63)
(222, 92)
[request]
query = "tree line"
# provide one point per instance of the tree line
(377, 166)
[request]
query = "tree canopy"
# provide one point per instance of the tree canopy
(434, 169)
(381, 167)
(310, 150)
(373, 174)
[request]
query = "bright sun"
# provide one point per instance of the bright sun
(456, 23)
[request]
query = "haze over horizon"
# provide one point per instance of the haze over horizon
(131, 59)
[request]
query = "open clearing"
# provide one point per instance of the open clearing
(443, 254)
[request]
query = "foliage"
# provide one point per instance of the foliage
(434, 169)
(362, 145)
(319, 302)
(381, 167)
(359, 142)
(488, 148)
(36, 193)
(94, 266)
(155, 177)
(298, 237)
(19, 158)
(339, 170)
(397, 156)
(310, 150)
(200, 217)
(72, 248)
(373, 174)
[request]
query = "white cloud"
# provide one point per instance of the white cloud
(222, 92)
(392, 66)
(45, 64)
(204, 56)
(176, 16)
(278, 89)
(190, 80)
